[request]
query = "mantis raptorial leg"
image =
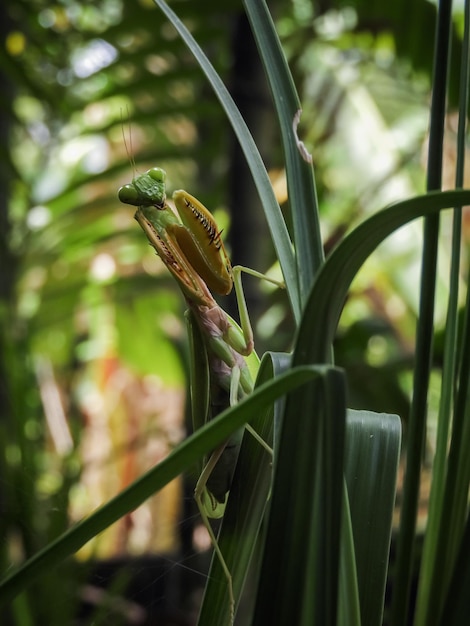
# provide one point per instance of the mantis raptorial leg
(189, 243)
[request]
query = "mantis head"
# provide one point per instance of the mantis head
(145, 190)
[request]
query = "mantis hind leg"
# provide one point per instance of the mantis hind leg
(205, 500)
(208, 504)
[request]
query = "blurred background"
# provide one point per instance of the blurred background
(93, 356)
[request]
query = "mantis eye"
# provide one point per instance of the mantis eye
(157, 174)
(129, 195)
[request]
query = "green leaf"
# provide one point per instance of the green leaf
(349, 611)
(310, 466)
(325, 302)
(299, 171)
(271, 207)
(457, 606)
(299, 576)
(371, 462)
(180, 459)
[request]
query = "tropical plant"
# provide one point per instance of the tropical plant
(323, 524)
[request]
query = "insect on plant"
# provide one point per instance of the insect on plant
(190, 245)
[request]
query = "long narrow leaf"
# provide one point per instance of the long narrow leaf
(457, 605)
(349, 610)
(299, 577)
(182, 458)
(425, 326)
(372, 454)
(299, 172)
(272, 210)
(431, 590)
(325, 303)
(300, 441)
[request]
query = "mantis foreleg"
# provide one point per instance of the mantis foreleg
(242, 342)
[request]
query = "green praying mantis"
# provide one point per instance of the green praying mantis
(223, 360)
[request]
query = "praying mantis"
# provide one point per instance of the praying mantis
(223, 360)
